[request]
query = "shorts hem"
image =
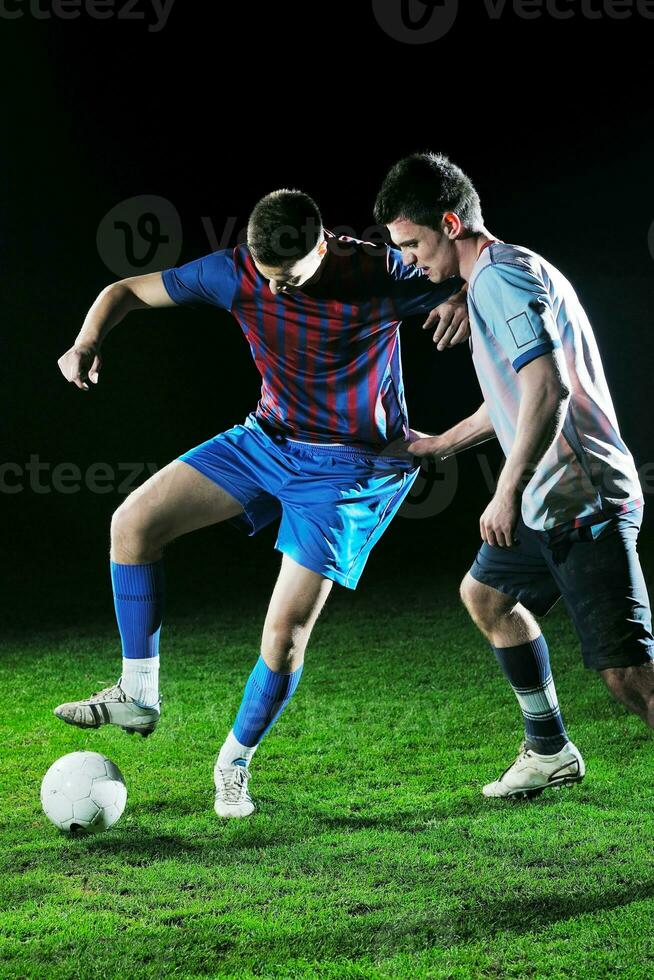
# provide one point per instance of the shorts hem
(314, 566)
(240, 521)
(536, 610)
(644, 656)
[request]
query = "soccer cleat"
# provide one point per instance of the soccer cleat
(531, 773)
(110, 707)
(232, 797)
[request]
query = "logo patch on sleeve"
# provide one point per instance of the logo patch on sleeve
(521, 330)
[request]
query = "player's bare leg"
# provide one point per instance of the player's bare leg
(506, 623)
(547, 758)
(503, 621)
(176, 500)
(634, 687)
(297, 600)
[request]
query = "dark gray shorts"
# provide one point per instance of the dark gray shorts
(597, 571)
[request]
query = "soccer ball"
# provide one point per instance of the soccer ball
(83, 792)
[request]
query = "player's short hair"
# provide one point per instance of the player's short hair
(421, 188)
(284, 226)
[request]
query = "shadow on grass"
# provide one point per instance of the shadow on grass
(478, 914)
(513, 913)
(383, 935)
(239, 841)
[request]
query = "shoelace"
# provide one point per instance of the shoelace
(235, 784)
(522, 754)
(109, 690)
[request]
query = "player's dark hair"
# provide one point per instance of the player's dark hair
(284, 227)
(422, 188)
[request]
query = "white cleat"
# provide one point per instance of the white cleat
(232, 797)
(111, 707)
(531, 773)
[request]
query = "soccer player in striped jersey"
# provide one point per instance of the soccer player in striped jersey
(565, 517)
(325, 449)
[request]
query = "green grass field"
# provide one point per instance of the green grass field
(372, 854)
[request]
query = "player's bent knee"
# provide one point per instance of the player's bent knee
(287, 639)
(485, 605)
(471, 593)
(132, 532)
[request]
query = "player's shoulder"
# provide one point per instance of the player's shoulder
(508, 264)
(235, 262)
(349, 245)
(501, 255)
(219, 260)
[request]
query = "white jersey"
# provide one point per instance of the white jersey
(521, 307)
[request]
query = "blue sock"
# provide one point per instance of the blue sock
(139, 601)
(527, 667)
(266, 695)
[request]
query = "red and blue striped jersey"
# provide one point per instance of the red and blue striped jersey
(329, 353)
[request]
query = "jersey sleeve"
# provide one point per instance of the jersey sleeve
(412, 291)
(515, 306)
(208, 281)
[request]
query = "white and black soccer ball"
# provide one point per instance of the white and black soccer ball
(83, 792)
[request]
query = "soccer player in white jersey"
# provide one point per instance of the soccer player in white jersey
(568, 506)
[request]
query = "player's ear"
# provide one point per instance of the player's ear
(322, 248)
(452, 225)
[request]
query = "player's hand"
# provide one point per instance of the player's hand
(498, 522)
(402, 448)
(423, 445)
(450, 320)
(79, 365)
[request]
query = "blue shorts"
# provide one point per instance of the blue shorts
(335, 502)
(597, 571)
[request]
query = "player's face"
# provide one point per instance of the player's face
(432, 251)
(288, 279)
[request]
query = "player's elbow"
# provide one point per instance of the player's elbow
(558, 391)
(117, 293)
(554, 399)
(122, 293)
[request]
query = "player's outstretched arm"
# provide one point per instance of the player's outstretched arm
(469, 432)
(82, 362)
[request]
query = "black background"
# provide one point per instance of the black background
(552, 118)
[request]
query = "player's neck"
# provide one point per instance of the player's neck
(469, 250)
(317, 274)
